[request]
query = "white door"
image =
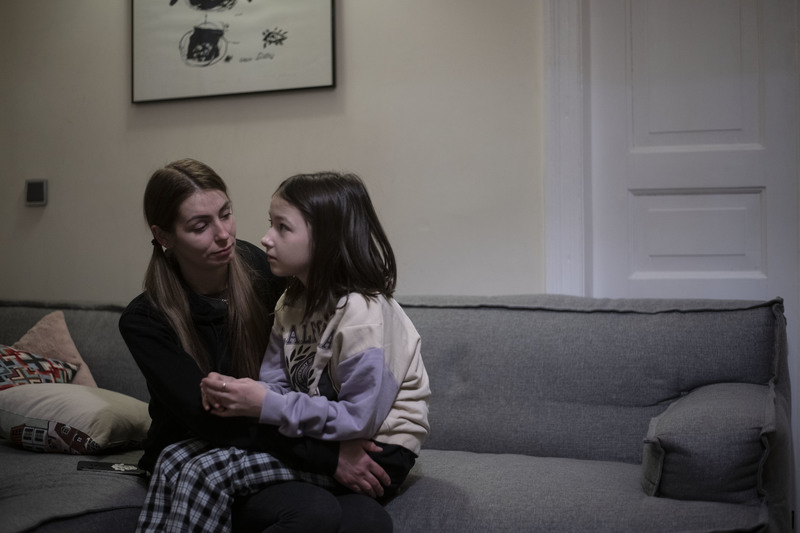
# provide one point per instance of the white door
(693, 148)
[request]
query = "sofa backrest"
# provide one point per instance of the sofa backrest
(96, 335)
(541, 375)
(578, 377)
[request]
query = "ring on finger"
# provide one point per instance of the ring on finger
(224, 386)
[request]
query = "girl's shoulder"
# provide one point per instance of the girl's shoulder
(356, 300)
(360, 305)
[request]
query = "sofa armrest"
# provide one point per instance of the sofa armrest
(711, 444)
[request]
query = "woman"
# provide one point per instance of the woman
(207, 307)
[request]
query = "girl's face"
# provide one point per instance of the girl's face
(204, 239)
(288, 241)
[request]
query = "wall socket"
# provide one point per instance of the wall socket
(35, 192)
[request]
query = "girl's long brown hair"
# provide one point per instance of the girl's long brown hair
(350, 250)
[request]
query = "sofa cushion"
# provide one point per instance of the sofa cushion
(40, 490)
(22, 368)
(49, 337)
(71, 419)
(710, 444)
(463, 492)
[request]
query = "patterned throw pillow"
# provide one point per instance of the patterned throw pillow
(21, 368)
(50, 337)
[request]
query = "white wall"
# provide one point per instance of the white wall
(438, 108)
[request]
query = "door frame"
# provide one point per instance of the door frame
(567, 180)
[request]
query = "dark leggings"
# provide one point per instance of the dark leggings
(302, 507)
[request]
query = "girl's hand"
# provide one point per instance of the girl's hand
(227, 396)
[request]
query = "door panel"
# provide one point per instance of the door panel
(695, 72)
(694, 236)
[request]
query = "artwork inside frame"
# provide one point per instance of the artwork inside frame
(201, 48)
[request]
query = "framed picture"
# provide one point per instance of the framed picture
(201, 48)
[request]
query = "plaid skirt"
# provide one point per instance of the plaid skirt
(194, 483)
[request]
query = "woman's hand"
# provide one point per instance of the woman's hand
(357, 471)
(227, 396)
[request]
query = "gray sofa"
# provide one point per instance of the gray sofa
(549, 413)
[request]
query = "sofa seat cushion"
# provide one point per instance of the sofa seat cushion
(40, 487)
(456, 491)
(711, 444)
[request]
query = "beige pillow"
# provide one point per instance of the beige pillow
(74, 419)
(50, 338)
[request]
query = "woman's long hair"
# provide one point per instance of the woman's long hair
(350, 250)
(248, 319)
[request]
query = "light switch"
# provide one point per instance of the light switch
(36, 192)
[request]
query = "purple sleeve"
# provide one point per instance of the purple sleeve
(273, 370)
(368, 390)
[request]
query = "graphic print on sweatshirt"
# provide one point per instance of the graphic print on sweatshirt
(304, 367)
(301, 369)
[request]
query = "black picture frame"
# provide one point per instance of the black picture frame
(202, 48)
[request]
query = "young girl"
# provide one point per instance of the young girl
(343, 361)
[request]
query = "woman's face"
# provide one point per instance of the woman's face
(204, 239)
(288, 241)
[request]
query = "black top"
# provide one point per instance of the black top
(173, 378)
